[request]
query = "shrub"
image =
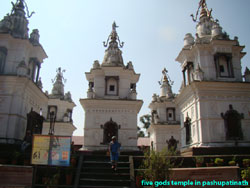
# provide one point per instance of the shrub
(231, 163)
(245, 174)
(156, 166)
(246, 162)
(219, 161)
(199, 160)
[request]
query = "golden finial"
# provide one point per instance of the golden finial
(204, 11)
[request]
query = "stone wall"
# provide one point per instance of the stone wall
(15, 176)
(205, 175)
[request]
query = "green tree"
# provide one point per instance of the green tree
(140, 134)
(146, 120)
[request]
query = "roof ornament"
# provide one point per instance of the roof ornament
(204, 11)
(58, 86)
(59, 77)
(166, 78)
(20, 4)
(113, 37)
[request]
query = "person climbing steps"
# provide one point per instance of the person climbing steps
(114, 148)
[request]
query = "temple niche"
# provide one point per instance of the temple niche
(232, 120)
(187, 125)
(172, 143)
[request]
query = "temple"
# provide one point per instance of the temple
(165, 121)
(24, 106)
(214, 99)
(61, 105)
(111, 106)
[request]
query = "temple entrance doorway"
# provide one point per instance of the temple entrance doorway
(110, 129)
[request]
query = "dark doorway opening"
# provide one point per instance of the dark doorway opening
(110, 129)
(187, 125)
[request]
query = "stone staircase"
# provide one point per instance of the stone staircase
(96, 172)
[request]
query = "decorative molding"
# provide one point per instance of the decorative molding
(110, 111)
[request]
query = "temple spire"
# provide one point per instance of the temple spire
(16, 23)
(207, 28)
(20, 5)
(204, 12)
(166, 85)
(113, 55)
(113, 38)
(58, 86)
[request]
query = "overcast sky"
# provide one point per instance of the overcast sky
(72, 32)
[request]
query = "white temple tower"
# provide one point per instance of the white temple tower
(214, 101)
(111, 106)
(165, 124)
(61, 105)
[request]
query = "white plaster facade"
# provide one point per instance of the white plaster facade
(111, 106)
(18, 95)
(204, 102)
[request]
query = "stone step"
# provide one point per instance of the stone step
(96, 172)
(106, 170)
(104, 182)
(103, 164)
(105, 158)
(115, 176)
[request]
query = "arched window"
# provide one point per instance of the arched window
(3, 55)
(232, 121)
